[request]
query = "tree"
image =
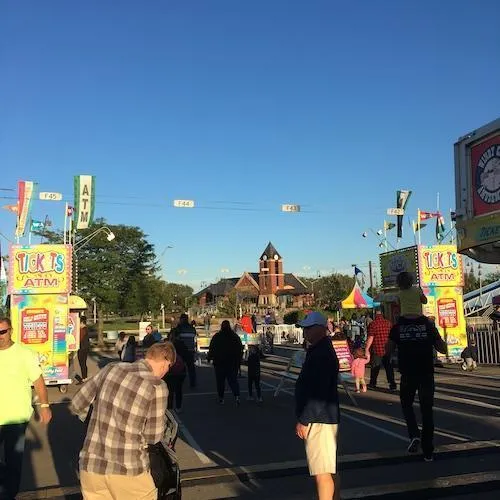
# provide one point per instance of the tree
(471, 282)
(330, 290)
(491, 278)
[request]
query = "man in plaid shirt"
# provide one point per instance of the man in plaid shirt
(378, 335)
(128, 412)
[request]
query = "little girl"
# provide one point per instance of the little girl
(358, 368)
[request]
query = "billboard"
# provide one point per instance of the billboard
(40, 269)
(485, 175)
(397, 261)
(440, 265)
(40, 322)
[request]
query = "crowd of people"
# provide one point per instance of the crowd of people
(124, 403)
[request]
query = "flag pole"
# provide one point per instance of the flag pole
(385, 236)
(451, 230)
(65, 220)
(418, 225)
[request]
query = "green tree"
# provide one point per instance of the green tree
(471, 282)
(491, 278)
(330, 290)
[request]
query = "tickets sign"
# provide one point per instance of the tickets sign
(440, 265)
(40, 269)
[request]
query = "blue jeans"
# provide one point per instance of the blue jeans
(12, 436)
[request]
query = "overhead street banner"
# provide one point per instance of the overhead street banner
(84, 200)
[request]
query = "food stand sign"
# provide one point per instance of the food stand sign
(40, 269)
(440, 265)
(397, 261)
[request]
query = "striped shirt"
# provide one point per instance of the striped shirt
(128, 413)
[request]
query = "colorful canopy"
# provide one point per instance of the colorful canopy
(358, 299)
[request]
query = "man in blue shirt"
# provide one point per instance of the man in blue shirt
(317, 404)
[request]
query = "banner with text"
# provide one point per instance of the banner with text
(25, 190)
(84, 201)
(440, 265)
(39, 269)
(40, 322)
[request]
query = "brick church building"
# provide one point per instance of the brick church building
(270, 288)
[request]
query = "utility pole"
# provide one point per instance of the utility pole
(371, 275)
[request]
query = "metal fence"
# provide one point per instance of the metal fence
(488, 344)
(282, 334)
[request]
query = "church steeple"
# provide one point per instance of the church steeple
(270, 253)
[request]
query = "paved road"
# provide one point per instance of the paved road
(251, 451)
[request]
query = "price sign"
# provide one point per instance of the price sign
(290, 208)
(45, 196)
(184, 203)
(395, 211)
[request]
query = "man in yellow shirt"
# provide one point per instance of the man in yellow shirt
(19, 369)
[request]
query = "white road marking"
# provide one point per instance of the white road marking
(385, 418)
(376, 427)
(193, 443)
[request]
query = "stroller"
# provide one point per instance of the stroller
(164, 464)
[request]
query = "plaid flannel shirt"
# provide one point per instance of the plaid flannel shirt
(128, 413)
(379, 329)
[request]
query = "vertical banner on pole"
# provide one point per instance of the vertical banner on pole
(84, 201)
(25, 190)
(402, 198)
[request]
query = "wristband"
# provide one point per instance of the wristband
(45, 405)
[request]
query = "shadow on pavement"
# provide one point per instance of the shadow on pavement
(65, 446)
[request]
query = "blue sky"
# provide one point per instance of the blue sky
(242, 106)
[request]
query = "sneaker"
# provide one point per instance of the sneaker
(429, 458)
(414, 445)
(238, 402)
(357, 391)
(364, 389)
(393, 388)
(372, 386)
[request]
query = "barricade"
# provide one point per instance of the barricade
(488, 344)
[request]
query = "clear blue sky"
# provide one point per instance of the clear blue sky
(245, 105)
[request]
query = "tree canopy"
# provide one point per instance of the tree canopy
(122, 274)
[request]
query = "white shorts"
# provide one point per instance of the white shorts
(321, 449)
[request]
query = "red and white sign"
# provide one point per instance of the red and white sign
(447, 313)
(485, 175)
(34, 326)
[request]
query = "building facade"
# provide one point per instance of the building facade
(270, 288)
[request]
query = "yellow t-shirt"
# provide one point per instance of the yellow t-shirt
(19, 368)
(409, 302)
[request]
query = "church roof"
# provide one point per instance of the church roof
(270, 252)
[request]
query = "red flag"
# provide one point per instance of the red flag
(427, 215)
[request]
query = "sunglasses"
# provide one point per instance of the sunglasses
(4, 331)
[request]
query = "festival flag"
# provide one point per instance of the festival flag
(84, 201)
(10, 208)
(25, 191)
(389, 225)
(359, 276)
(427, 215)
(402, 197)
(417, 227)
(440, 228)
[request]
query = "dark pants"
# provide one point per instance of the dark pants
(254, 379)
(175, 383)
(189, 361)
(83, 353)
(12, 436)
(229, 373)
(376, 363)
(407, 390)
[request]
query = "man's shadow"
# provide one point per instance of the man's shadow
(66, 434)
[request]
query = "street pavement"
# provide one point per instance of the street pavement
(251, 451)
